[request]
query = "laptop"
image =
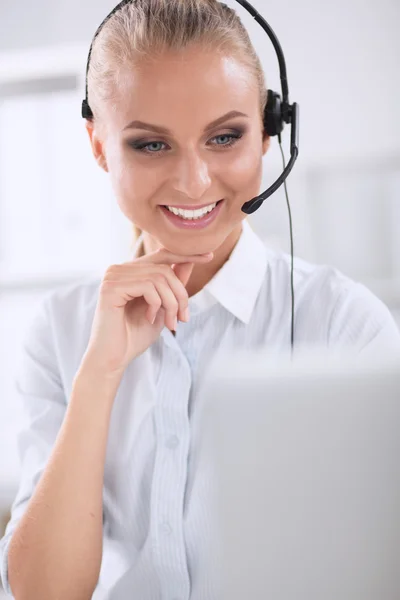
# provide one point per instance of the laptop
(305, 459)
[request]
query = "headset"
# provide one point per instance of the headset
(277, 112)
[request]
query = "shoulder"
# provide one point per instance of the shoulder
(308, 277)
(71, 309)
(330, 307)
(318, 284)
(74, 301)
(62, 324)
(67, 306)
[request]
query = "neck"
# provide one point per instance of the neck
(201, 274)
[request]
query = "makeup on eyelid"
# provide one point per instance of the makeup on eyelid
(234, 137)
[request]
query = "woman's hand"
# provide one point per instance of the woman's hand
(136, 300)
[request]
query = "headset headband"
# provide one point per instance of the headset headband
(277, 112)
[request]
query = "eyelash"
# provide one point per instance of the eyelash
(235, 137)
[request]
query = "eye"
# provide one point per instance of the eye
(233, 139)
(143, 148)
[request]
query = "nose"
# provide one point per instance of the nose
(192, 176)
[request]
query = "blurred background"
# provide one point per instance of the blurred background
(59, 221)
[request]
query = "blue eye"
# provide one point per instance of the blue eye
(233, 139)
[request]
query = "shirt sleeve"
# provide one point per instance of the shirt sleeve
(362, 321)
(38, 385)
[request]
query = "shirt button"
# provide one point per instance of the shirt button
(172, 442)
(166, 528)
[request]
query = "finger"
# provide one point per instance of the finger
(131, 290)
(178, 278)
(166, 273)
(155, 272)
(183, 273)
(153, 299)
(169, 303)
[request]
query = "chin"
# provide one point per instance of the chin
(192, 248)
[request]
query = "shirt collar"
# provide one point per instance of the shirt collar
(238, 282)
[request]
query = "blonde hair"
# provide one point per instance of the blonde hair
(146, 28)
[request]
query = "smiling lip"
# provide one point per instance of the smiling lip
(186, 207)
(192, 224)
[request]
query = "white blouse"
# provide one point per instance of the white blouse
(156, 526)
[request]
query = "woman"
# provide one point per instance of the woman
(112, 500)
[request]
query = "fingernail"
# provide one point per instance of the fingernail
(176, 323)
(186, 314)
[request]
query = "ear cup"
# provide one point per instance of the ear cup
(273, 118)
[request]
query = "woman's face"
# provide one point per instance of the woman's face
(191, 165)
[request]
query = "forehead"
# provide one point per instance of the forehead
(190, 84)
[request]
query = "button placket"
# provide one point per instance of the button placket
(166, 528)
(172, 431)
(172, 442)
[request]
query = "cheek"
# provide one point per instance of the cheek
(133, 188)
(245, 172)
(130, 187)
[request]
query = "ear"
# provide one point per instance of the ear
(266, 143)
(97, 144)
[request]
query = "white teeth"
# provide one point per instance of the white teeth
(192, 214)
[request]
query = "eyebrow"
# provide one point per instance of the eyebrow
(164, 130)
